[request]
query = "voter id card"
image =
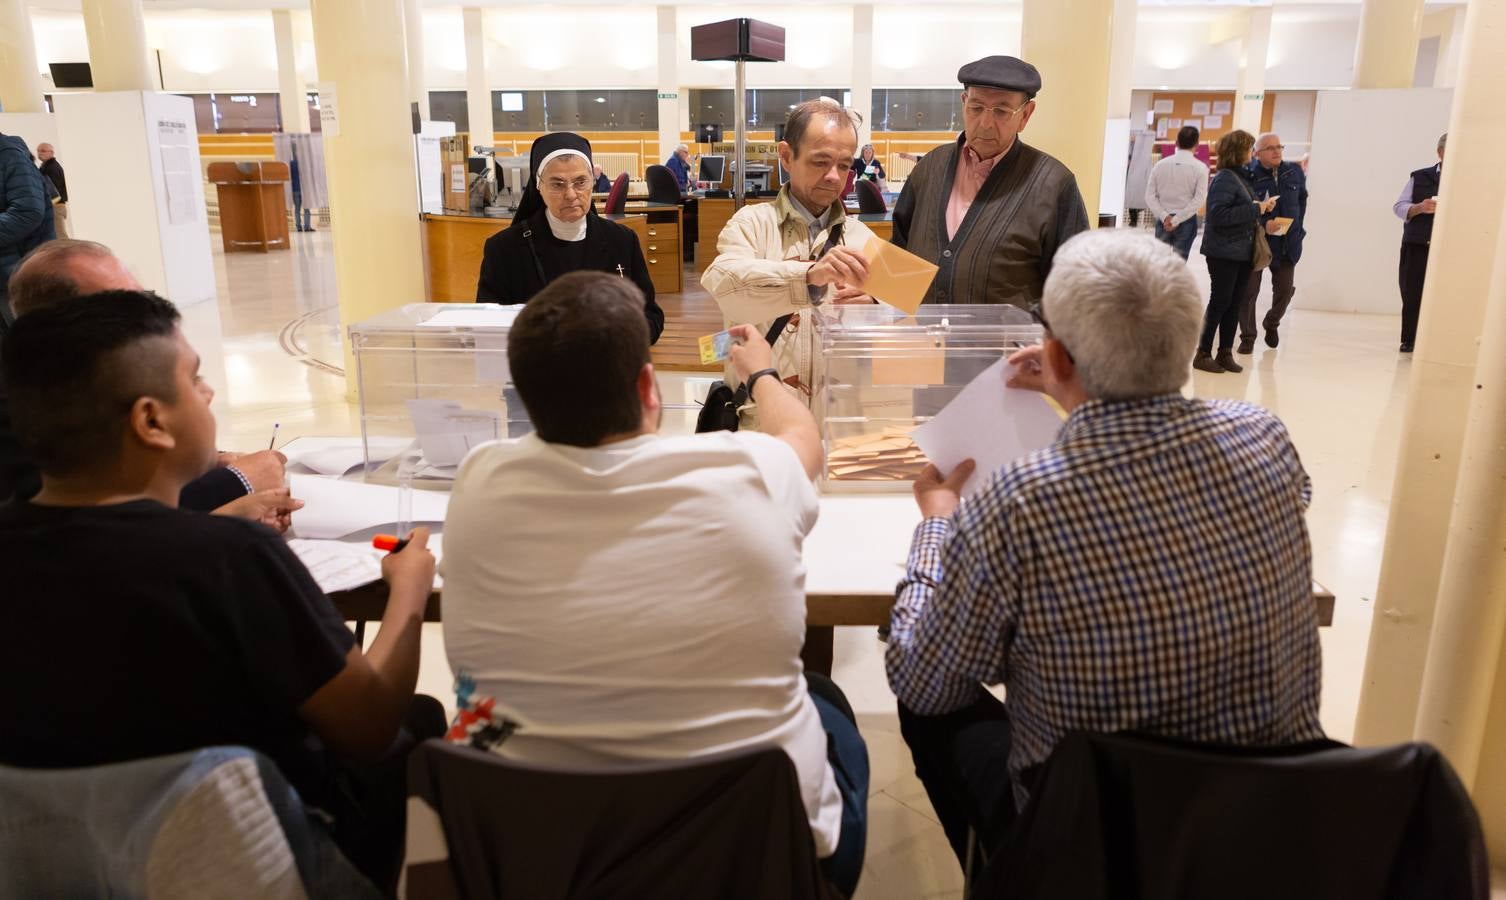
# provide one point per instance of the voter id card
(715, 347)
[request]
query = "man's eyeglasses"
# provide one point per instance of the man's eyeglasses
(999, 113)
(580, 185)
(1039, 315)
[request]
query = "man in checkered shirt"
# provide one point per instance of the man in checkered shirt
(1150, 570)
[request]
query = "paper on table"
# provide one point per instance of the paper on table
(338, 565)
(338, 455)
(897, 276)
(990, 424)
(346, 565)
(335, 508)
(474, 315)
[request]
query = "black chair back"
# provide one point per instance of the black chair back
(1131, 816)
(730, 828)
(662, 186)
(870, 198)
(617, 197)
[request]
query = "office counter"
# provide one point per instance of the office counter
(453, 244)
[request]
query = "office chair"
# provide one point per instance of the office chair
(1130, 816)
(734, 827)
(216, 822)
(617, 199)
(870, 198)
(662, 186)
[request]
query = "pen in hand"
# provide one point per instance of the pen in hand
(273, 443)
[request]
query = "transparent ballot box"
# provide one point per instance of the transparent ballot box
(879, 373)
(433, 381)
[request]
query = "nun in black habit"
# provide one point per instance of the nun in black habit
(556, 230)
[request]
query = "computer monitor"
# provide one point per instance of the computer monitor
(713, 169)
(71, 75)
(708, 133)
(512, 178)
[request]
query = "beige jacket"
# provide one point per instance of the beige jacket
(759, 275)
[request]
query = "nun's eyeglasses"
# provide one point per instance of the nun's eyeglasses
(581, 185)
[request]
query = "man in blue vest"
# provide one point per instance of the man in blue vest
(1271, 177)
(1416, 206)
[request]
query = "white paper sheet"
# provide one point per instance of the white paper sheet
(1200, 108)
(474, 315)
(1212, 122)
(990, 424)
(335, 508)
(1164, 106)
(447, 432)
(1223, 107)
(345, 565)
(339, 455)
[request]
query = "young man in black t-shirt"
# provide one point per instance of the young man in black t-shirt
(133, 629)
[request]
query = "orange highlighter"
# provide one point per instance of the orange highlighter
(389, 542)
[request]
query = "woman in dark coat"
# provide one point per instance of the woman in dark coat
(556, 230)
(1229, 245)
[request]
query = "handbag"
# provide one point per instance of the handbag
(1260, 252)
(720, 411)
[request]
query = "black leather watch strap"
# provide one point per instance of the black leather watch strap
(753, 379)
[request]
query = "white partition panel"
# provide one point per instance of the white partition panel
(1364, 145)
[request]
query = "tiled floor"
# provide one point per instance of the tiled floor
(1336, 381)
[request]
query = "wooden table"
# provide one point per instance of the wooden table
(854, 558)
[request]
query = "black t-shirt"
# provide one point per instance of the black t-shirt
(136, 630)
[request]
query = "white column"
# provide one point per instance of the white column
(1122, 60)
(669, 84)
(117, 45)
(478, 94)
(292, 93)
(1249, 98)
(1443, 383)
(862, 69)
(20, 79)
(413, 29)
(1448, 25)
(1385, 54)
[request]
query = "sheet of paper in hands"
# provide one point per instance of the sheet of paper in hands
(896, 276)
(990, 424)
(334, 508)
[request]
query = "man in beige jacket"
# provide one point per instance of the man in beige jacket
(792, 256)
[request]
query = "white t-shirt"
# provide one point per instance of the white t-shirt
(639, 601)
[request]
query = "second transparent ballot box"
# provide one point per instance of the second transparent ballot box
(433, 381)
(880, 372)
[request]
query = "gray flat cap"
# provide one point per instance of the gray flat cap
(1003, 72)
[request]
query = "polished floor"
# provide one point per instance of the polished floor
(271, 347)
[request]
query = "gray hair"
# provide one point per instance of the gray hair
(1127, 308)
(1264, 135)
(44, 276)
(681, 148)
(1442, 139)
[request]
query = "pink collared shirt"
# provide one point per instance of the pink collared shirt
(972, 171)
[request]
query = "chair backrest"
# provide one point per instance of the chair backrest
(662, 186)
(1125, 816)
(852, 177)
(198, 824)
(870, 198)
(617, 198)
(733, 827)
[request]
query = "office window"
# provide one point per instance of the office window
(917, 109)
(449, 106)
(600, 110)
(767, 107)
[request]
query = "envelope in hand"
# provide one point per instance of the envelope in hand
(896, 276)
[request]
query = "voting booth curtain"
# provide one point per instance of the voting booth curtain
(311, 181)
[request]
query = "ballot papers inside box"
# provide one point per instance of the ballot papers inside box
(880, 373)
(434, 375)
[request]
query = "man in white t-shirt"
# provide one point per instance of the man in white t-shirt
(621, 597)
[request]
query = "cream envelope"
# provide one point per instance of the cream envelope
(897, 276)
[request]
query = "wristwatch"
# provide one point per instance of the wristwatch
(753, 379)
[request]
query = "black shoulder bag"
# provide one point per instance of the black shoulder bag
(719, 412)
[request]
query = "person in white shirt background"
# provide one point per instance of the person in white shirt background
(1176, 190)
(565, 619)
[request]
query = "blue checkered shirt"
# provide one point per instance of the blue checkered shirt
(1149, 570)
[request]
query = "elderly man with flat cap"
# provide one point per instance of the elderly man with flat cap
(990, 210)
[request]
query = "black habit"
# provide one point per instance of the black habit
(518, 261)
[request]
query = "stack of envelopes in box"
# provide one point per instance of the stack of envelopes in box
(887, 456)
